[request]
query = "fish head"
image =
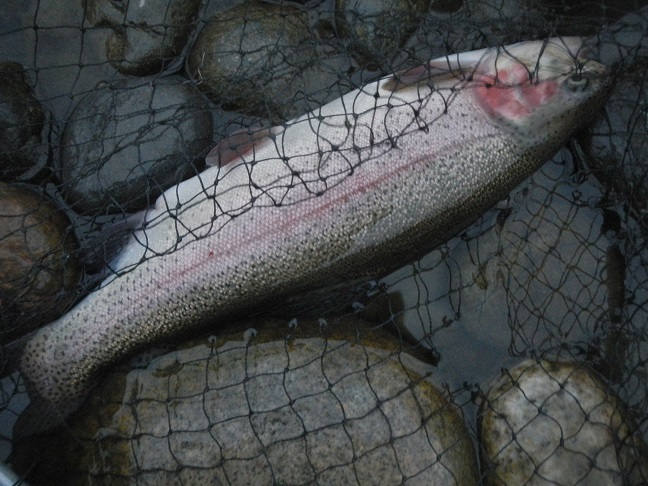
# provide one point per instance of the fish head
(537, 89)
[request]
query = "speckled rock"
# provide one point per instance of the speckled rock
(38, 266)
(146, 36)
(264, 60)
(377, 29)
(127, 142)
(549, 422)
(238, 409)
(22, 119)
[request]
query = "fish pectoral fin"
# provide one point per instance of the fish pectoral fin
(240, 143)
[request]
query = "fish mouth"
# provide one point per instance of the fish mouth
(558, 52)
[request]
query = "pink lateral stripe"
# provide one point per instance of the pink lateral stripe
(327, 201)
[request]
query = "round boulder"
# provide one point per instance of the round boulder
(377, 29)
(618, 143)
(261, 59)
(546, 422)
(146, 36)
(126, 143)
(39, 269)
(22, 119)
(256, 408)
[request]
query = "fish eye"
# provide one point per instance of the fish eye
(577, 82)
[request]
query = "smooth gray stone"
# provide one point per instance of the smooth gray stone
(377, 29)
(22, 121)
(125, 143)
(266, 60)
(267, 408)
(617, 144)
(147, 36)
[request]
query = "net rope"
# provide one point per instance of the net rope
(396, 374)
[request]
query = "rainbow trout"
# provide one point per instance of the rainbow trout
(354, 189)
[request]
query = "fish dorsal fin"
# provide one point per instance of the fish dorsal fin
(442, 72)
(240, 143)
(103, 245)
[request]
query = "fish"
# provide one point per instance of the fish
(352, 190)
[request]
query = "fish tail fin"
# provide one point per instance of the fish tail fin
(41, 417)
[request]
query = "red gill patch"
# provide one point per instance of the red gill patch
(511, 94)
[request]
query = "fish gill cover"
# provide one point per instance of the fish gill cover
(379, 270)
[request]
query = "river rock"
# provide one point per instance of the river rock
(38, 265)
(618, 144)
(146, 36)
(265, 406)
(127, 142)
(22, 119)
(377, 29)
(547, 422)
(262, 59)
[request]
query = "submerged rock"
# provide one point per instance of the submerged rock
(39, 269)
(266, 407)
(264, 60)
(547, 422)
(146, 36)
(376, 30)
(126, 143)
(617, 147)
(22, 119)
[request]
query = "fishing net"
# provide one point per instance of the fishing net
(522, 338)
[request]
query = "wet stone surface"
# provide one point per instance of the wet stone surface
(127, 142)
(147, 36)
(617, 145)
(376, 30)
(547, 422)
(22, 119)
(263, 60)
(282, 411)
(38, 267)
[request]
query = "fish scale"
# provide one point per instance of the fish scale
(355, 189)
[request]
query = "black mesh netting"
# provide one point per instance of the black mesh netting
(338, 295)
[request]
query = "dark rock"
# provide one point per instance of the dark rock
(147, 36)
(22, 119)
(376, 30)
(39, 269)
(127, 142)
(262, 59)
(617, 144)
(446, 6)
